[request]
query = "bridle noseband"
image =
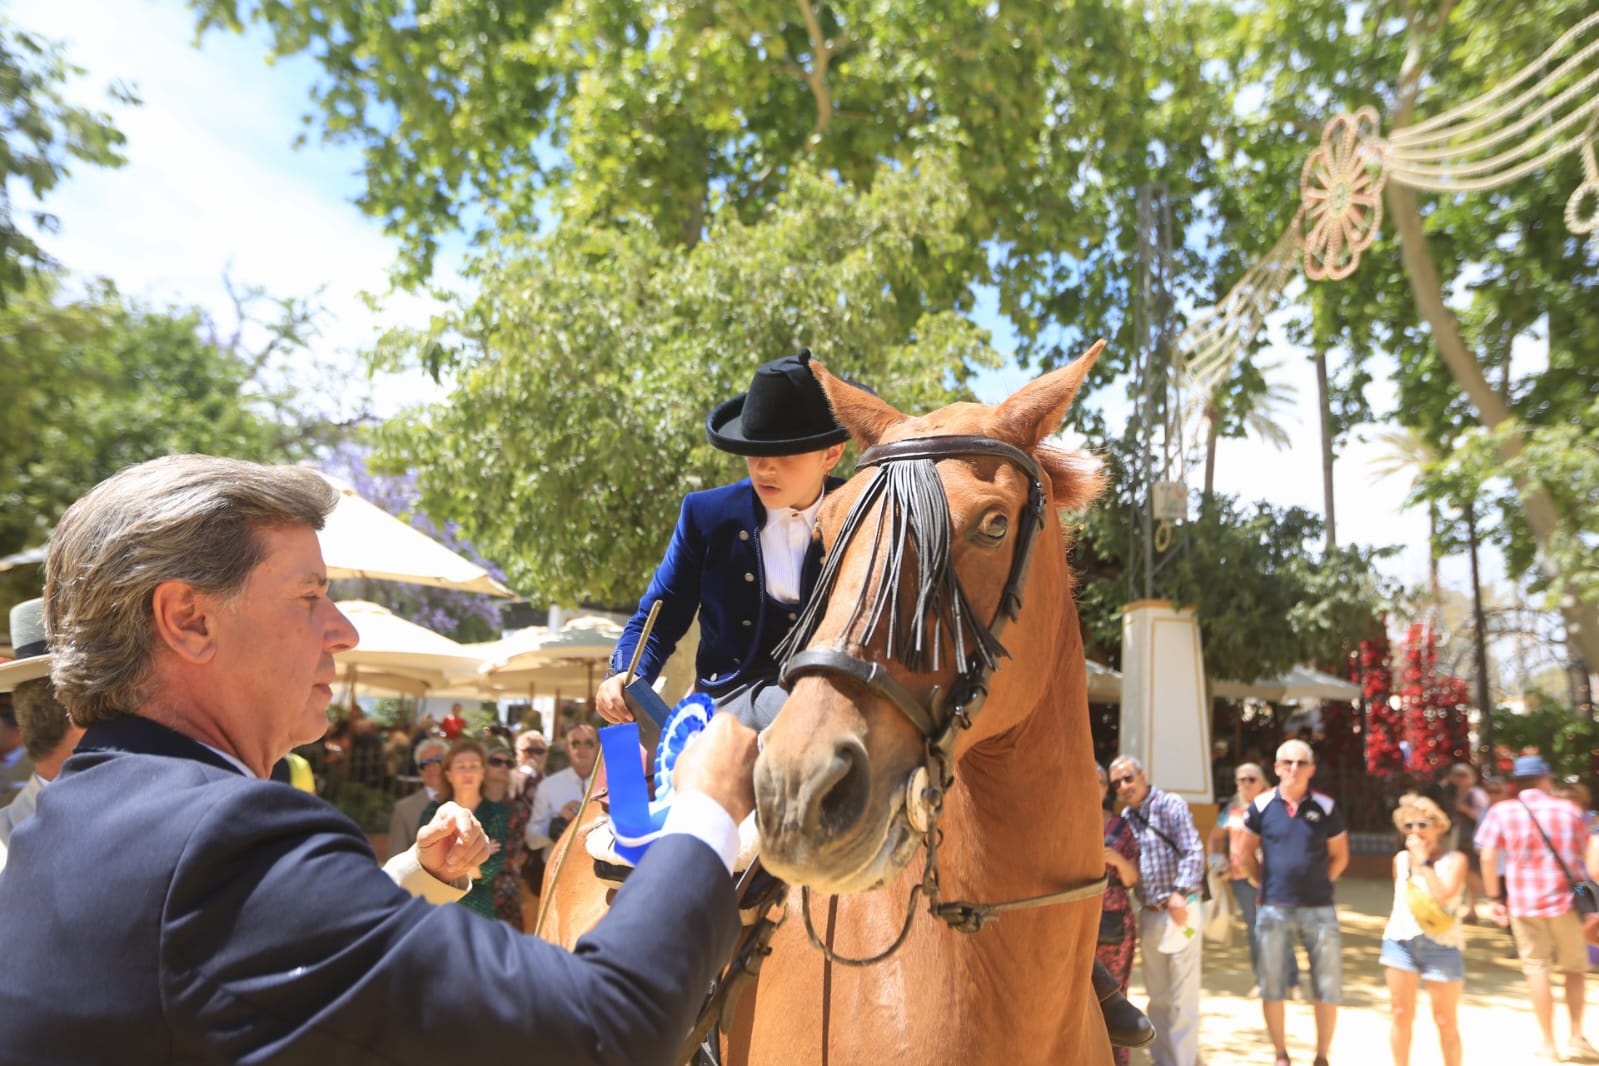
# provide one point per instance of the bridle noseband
(946, 713)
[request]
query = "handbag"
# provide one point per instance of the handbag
(1204, 882)
(1112, 926)
(1584, 893)
(1434, 920)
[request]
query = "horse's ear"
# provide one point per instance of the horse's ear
(1038, 408)
(1075, 478)
(863, 413)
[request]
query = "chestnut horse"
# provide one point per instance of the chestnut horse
(887, 745)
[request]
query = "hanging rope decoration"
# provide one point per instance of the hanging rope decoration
(1485, 143)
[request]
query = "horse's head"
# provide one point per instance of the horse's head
(928, 549)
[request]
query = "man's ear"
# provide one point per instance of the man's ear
(184, 621)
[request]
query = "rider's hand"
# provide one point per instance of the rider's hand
(720, 762)
(609, 702)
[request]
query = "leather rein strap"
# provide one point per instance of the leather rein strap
(946, 713)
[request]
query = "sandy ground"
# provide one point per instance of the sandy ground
(1496, 1022)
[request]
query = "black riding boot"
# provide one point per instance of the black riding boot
(1124, 1022)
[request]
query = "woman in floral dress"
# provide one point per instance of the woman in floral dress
(1121, 867)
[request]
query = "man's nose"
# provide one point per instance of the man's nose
(341, 634)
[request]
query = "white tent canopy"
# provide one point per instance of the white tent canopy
(575, 656)
(362, 540)
(1298, 685)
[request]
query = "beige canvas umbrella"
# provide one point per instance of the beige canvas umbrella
(361, 539)
(573, 657)
(395, 655)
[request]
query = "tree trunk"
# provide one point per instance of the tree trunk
(1485, 732)
(1581, 619)
(1325, 409)
(1212, 432)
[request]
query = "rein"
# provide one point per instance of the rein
(916, 511)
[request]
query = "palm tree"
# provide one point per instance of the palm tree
(1260, 410)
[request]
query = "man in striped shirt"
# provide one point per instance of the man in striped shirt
(1539, 907)
(1171, 868)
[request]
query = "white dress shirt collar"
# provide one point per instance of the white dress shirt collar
(784, 540)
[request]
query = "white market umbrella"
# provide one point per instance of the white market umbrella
(361, 539)
(395, 655)
(573, 656)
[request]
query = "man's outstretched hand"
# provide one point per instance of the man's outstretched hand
(720, 762)
(453, 844)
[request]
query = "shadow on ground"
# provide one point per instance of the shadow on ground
(1495, 1019)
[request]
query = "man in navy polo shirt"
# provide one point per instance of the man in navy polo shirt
(1303, 848)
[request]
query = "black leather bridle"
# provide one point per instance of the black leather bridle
(947, 712)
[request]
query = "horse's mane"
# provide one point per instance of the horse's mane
(915, 515)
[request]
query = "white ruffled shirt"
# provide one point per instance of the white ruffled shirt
(784, 540)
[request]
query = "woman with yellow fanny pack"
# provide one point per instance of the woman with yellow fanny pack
(1423, 939)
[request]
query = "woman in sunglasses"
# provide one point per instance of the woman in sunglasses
(1423, 940)
(502, 784)
(464, 768)
(1251, 782)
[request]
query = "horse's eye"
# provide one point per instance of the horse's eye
(995, 526)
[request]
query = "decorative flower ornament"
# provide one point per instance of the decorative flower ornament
(1341, 188)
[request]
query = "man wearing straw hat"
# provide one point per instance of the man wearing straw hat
(170, 904)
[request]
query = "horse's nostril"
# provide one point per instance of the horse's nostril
(842, 801)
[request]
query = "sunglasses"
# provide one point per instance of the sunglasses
(1294, 762)
(501, 761)
(1247, 780)
(1412, 827)
(580, 743)
(431, 762)
(1125, 779)
(532, 751)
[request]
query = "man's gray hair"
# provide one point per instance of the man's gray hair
(189, 518)
(1296, 745)
(431, 744)
(1126, 760)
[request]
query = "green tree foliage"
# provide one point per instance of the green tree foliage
(1267, 596)
(96, 382)
(586, 366)
(41, 137)
(501, 119)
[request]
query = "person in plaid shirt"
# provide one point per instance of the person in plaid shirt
(1539, 910)
(1171, 867)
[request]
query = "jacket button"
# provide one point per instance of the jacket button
(746, 623)
(749, 577)
(792, 617)
(743, 534)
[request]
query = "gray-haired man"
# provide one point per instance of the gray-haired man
(407, 814)
(1171, 869)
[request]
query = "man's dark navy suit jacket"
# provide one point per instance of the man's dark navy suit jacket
(162, 907)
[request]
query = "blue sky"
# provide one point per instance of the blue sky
(213, 184)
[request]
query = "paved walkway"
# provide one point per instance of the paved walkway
(1496, 1023)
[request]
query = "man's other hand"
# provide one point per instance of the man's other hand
(720, 762)
(452, 845)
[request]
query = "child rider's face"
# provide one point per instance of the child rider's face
(792, 480)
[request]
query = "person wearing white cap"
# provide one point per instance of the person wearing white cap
(47, 732)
